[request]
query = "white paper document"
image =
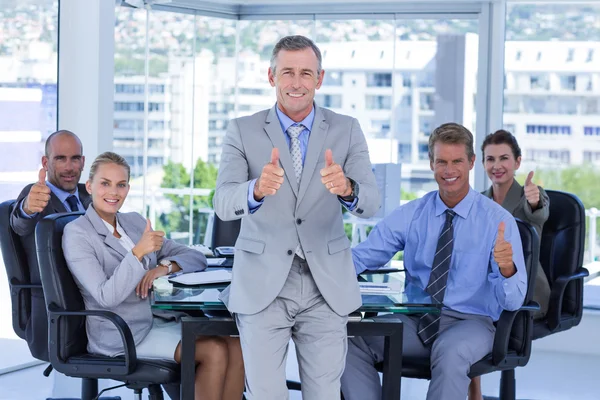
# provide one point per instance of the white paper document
(379, 288)
(203, 278)
(215, 262)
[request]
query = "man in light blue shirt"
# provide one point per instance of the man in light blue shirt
(462, 249)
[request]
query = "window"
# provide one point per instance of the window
(333, 78)
(329, 100)
(591, 156)
(539, 82)
(591, 130)
(380, 126)
(379, 80)
(568, 82)
(549, 129)
(426, 101)
(378, 102)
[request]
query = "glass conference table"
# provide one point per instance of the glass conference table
(215, 320)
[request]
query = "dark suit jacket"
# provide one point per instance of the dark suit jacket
(516, 203)
(37, 326)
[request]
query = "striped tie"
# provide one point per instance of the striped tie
(429, 323)
(294, 131)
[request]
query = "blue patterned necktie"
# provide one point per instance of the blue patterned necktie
(72, 201)
(296, 153)
(429, 323)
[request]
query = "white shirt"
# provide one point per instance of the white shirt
(125, 240)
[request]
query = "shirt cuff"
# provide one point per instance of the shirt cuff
(23, 213)
(349, 206)
(253, 205)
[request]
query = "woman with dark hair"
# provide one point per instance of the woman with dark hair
(501, 159)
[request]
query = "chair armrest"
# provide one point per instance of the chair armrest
(382, 270)
(19, 325)
(124, 331)
(557, 294)
(504, 327)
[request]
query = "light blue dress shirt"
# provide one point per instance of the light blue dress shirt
(475, 284)
(285, 123)
(62, 196)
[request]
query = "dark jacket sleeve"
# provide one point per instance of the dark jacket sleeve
(21, 225)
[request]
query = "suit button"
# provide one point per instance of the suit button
(290, 252)
(298, 221)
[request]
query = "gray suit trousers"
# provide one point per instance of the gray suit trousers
(299, 312)
(463, 340)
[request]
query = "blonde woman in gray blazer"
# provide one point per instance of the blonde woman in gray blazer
(114, 258)
(529, 203)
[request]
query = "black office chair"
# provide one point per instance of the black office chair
(224, 233)
(17, 272)
(67, 330)
(514, 330)
(561, 257)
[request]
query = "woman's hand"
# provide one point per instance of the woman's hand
(149, 242)
(146, 283)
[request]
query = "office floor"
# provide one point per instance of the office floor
(562, 367)
(549, 376)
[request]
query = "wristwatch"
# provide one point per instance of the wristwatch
(354, 194)
(168, 264)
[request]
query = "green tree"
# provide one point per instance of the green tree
(580, 180)
(177, 177)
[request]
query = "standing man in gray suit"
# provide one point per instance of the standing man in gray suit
(56, 191)
(293, 274)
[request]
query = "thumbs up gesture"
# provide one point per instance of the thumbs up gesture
(149, 242)
(503, 254)
(39, 195)
(532, 192)
(332, 176)
(270, 179)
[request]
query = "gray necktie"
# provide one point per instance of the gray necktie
(72, 201)
(429, 323)
(296, 153)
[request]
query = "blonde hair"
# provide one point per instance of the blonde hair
(452, 133)
(109, 157)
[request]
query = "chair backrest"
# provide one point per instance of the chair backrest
(562, 246)
(17, 270)
(520, 336)
(224, 233)
(60, 290)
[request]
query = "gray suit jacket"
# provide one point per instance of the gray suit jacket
(516, 204)
(264, 250)
(107, 275)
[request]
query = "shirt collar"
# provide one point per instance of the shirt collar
(61, 194)
(120, 229)
(286, 121)
(462, 208)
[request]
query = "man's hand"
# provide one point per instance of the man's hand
(39, 195)
(146, 283)
(270, 179)
(149, 242)
(332, 176)
(503, 254)
(532, 192)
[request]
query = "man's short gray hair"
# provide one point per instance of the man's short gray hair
(295, 43)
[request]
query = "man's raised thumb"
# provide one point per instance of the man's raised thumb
(275, 156)
(328, 158)
(42, 177)
(148, 226)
